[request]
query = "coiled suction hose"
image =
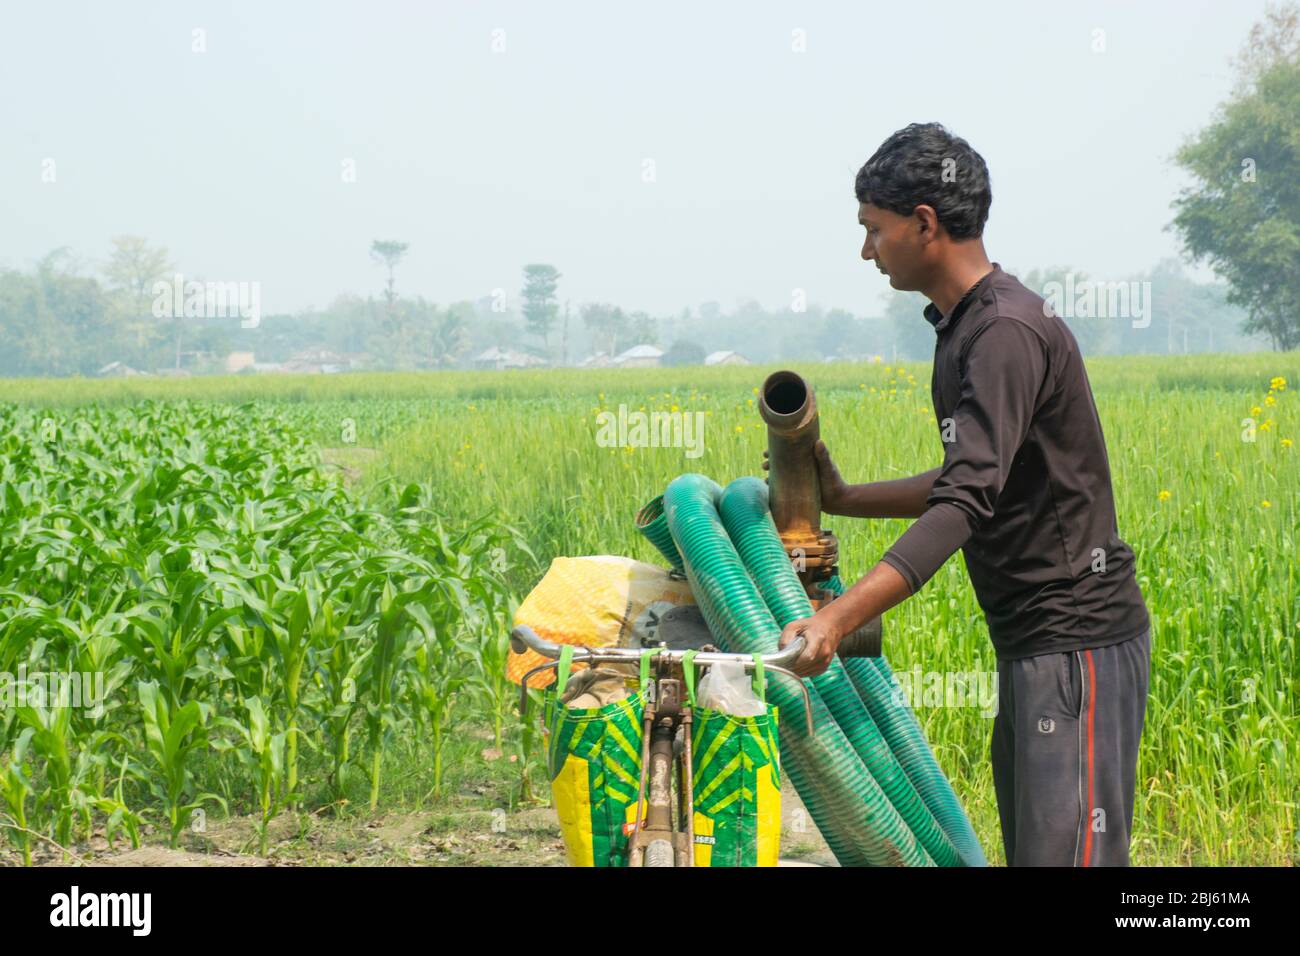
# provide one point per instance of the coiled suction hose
(866, 773)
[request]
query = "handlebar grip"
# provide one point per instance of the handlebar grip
(524, 638)
(788, 654)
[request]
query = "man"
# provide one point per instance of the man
(1025, 492)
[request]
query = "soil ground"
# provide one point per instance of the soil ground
(446, 837)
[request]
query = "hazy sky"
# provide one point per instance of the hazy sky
(484, 159)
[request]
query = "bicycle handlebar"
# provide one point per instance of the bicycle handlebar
(524, 638)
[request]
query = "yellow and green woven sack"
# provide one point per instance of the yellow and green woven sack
(594, 759)
(736, 769)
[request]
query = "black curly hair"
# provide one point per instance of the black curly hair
(909, 170)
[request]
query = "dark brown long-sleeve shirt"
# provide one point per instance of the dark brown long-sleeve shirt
(1025, 486)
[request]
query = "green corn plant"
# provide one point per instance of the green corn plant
(492, 656)
(172, 737)
(530, 746)
(471, 566)
(291, 642)
(392, 634)
(50, 742)
(263, 753)
(167, 643)
(119, 816)
(337, 663)
(16, 786)
(442, 669)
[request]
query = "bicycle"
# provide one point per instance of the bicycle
(660, 838)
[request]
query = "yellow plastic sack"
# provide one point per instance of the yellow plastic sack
(595, 601)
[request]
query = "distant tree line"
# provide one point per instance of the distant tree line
(56, 319)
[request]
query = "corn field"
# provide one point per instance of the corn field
(250, 634)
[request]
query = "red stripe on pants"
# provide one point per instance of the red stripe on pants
(1092, 709)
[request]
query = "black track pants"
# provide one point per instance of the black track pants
(1064, 749)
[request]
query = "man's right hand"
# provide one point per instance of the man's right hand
(833, 487)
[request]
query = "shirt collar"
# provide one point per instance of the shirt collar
(941, 321)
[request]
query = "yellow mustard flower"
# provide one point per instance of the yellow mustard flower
(1164, 495)
(1286, 443)
(1266, 503)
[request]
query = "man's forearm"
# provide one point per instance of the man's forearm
(873, 595)
(898, 498)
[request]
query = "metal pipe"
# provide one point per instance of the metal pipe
(789, 408)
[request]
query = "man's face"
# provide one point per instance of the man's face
(894, 244)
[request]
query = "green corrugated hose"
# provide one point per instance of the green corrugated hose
(875, 792)
(653, 523)
(748, 520)
(877, 686)
(846, 803)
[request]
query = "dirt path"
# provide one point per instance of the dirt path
(449, 836)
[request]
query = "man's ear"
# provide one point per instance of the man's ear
(927, 222)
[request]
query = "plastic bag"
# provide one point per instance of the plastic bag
(728, 689)
(595, 688)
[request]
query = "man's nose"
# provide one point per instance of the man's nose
(868, 251)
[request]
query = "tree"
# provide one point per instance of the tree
(912, 335)
(53, 321)
(540, 305)
(390, 253)
(1094, 328)
(451, 334)
(684, 352)
(1270, 41)
(836, 334)
(642, 330)
(132, 269)
(1243, 214)
(607, 324)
